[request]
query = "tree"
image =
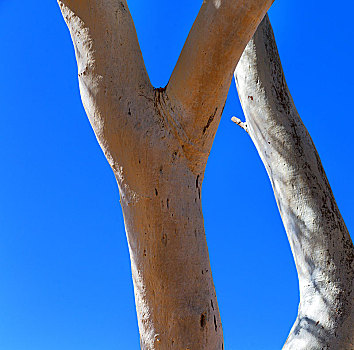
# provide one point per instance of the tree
(157, 142)
(320, 242)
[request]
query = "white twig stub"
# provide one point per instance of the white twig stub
(240, 123)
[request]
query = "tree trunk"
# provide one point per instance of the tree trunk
(157, 142)
(320, 242)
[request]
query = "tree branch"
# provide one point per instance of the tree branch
(203, 73)
(320, 242)
(240, 123)
(112, 75)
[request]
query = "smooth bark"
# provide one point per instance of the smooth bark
(203, 73)
(157, 142)
(320, 243)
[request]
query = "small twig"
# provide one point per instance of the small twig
(240, 123)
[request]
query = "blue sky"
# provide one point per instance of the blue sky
(64, 267)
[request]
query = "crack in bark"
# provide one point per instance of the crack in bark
(210, 120)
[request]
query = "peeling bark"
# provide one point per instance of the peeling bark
(320, 243)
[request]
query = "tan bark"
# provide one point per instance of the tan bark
(320, 242)
(203, 73)
(157, 142)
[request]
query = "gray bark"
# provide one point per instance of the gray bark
(320, 243)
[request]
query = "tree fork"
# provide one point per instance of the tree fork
(157, 142)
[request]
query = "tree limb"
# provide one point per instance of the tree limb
(320, 242)
(203, 73)
(112, 75)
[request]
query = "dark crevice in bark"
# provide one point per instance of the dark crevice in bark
(202, 320)
(210, 120)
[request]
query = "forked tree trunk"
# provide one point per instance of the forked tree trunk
(157, 142)
(320, 242)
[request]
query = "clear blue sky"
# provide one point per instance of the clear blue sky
(65, 281)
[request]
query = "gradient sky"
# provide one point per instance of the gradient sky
(65, 280)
